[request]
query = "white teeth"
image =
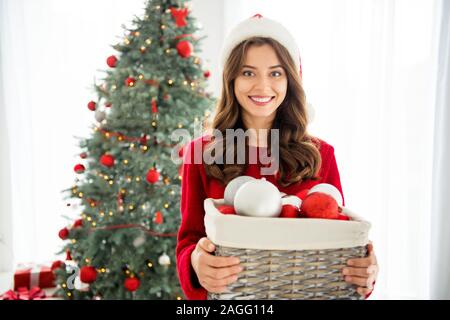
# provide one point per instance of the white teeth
(262, 100)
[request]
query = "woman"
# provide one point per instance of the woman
(261, 90)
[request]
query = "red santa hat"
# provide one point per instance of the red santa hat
(259, 26)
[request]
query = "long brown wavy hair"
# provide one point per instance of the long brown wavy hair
(299, 157)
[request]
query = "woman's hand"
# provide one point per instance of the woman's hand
(362, 272)
(214, 273)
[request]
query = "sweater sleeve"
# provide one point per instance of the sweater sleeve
(192, 227)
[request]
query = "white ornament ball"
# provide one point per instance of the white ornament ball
(258, 198)
(328, 189)
(233, 186)
(164, 260)
(100, 115)
(292, 200)
(140, 240)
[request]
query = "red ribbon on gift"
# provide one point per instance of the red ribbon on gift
(23, 293)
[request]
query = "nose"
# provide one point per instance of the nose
(262, 82)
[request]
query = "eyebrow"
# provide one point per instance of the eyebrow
(251, 67)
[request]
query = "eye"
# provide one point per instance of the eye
(276, 74)
(247, 73)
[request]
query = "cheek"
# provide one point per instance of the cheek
(281, 89)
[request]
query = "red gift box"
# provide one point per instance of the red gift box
(33, 275)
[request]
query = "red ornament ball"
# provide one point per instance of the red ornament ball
(226, 209)
(289, 211)
(92, 105)
(185, 49)
(152, 176)
(130, 81)
(57, 264)
(207, 74)
(88, 274)
(111, 61)
(79, 168)
(132, 284)
(83, 155)
(108, 105)
(78, 223)
(320, 205)
(63, 233)
(107, 160)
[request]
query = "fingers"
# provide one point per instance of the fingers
(360, 281)
(222, 273)
(360, 272)
(363, 291)
(206, 245)
(361, 262)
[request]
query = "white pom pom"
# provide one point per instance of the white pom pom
(328, 189)
(258, 198)
(233, 186)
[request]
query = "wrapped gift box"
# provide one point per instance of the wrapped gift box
(33, 275)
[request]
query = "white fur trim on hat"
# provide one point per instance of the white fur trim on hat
(259, 26)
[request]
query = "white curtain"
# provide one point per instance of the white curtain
(50, 53)
(368, 71)
(440, 226)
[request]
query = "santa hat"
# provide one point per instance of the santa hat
(259, 26)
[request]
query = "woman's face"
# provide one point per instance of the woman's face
(261, 85)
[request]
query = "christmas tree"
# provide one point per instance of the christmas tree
(122, 246)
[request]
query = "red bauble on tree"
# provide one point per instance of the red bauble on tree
(68, 255)
(57, 264)
(111, 61)
(88, 274)
(83, 155)
(92, 105)
(152, 176)
(63, 233)
(207, 74)
(185, 49)
(130, 81)
(79, 168)
(107, 160)
(132, 284)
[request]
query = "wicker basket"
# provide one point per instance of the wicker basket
(287, 258)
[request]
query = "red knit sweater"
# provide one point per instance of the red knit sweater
(196, 187)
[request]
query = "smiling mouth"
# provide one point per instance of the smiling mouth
(261, 100)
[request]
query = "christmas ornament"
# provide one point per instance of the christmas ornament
(140, 240)
(289, 211)
(320, 205)
(80, 285)
(108, 105)
(68, 255)
(143, 140)
(100, 115)
(207, 74)
(79, 168)
(130, 81)
(233, 186)
(77, 223)
(180, 16)
(57, 264)
(152, 176)
(111, 61)
(185, 48)
(88, 274)
(107, 160)
(83, 155)
(164, 260)
(132, 284)
(154, 106)
(226, 209)
(63, 233)
(258, 198)
(327, 189)
(291, 200)
(92, 105)
(159, 219)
